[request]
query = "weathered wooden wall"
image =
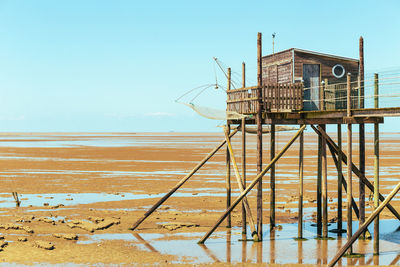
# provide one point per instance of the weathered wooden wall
(277, 68)
(326, 64)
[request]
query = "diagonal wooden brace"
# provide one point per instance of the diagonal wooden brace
(356, 171)
(362, 227)
(241, 186)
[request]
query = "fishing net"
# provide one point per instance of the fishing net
(214, 114)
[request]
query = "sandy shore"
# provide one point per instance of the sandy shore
(95, 186)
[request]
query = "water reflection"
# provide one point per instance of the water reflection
(209, 253)
(145, 243)
(278, 247)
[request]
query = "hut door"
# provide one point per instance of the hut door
(311, 74)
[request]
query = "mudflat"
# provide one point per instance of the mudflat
(81, 192)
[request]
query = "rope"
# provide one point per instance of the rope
(191, 90)
(199, 93)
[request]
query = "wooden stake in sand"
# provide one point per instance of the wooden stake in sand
(362, 228)
(181, 182)
(241, 186)
(252, 184)
(16, 198)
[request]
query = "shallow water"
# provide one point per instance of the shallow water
(225, 246)
(69, 199)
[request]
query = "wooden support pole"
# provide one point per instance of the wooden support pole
(349, 185)
(241, 186)
(181, 182)
(361, 71)
(252, 184)
(228, 165)
(340, 181)
(244, 221)
(362, 228)
(376, 166)
(362, 137)
(272, 179)
(355, 169)
(259, 135)
(324, 187)
(349, 169)
(301, 170)
(319, 188)
(322, 193)
(348, 95)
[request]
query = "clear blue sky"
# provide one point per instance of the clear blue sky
(119, 65)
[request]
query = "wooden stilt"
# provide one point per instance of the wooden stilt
(272, 180)
(349, 186)
(319, 188)
(301, 168)
(349, 169)
(244, 220)
(355, 169)
(241, 186)
(324, 187)
(340, 181)
(259, 136)
(244, 223)
(252, 184)
(362, 228)
(376, 167)
(362, 138)
(181, 182)
(228, 166)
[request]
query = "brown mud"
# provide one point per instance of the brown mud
(75, 188)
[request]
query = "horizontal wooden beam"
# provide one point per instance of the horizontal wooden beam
(365, 112)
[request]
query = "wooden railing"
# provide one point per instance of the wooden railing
(275, 98)
(335, 96)
(283, 97)
(243, 100)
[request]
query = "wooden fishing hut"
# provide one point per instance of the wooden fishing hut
(300, 87)
(312, 68)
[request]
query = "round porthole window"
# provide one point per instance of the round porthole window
(338, 71)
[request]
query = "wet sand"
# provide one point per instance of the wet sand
(96, 186)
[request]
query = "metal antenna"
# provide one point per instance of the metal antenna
(273, 42)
